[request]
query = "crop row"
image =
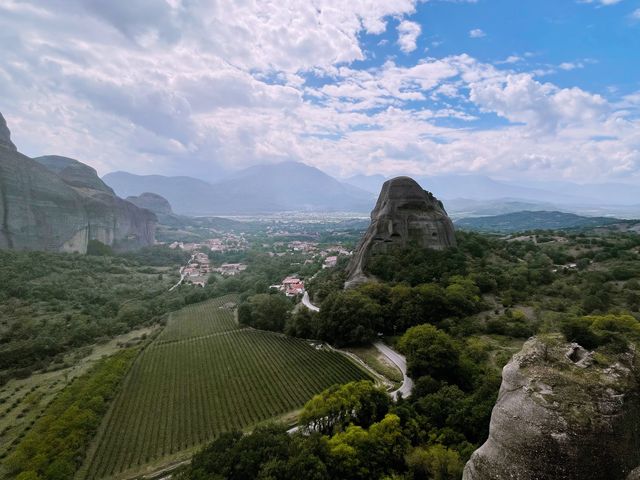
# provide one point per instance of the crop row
(182, 394)
(213, 316)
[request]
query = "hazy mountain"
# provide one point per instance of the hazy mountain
(527, 220)
(608, 193)
(369, 183)
(281, 187)
(465, 207)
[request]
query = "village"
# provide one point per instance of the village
(200, 266)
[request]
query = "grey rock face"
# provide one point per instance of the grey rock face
(5, 135)
(404, 215)
(559, 415)
(59, 204)
(152, 201)
(74, 173)
(38, 211)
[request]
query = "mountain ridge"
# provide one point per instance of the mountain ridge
(260, 189)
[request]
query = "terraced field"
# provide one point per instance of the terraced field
(205, 375)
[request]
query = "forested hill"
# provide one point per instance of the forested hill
(530, 220)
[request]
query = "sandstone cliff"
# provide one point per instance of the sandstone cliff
(404, 215)
(561, 415)
(59, 204)
(5, 135)
(153, 202)
(112, 220)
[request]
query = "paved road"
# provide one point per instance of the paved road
(401, 362)
(307, 303)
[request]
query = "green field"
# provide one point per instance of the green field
(205, 375)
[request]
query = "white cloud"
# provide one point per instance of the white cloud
(477, 33)
(544, 108)
(568, 66)
(635, 15)
(408, 33)
(192, 87)
(601, 2)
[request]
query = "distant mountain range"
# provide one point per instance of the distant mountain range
(528, 220)
(293, 186)
(288, 186)
(478, 195)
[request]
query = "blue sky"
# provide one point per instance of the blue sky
(521, 90)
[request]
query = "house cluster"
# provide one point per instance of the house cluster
(290, 286)
(198, 269)
(330, 261)
(567, 267)
(230, 269)
(306, 247)
(228, 243)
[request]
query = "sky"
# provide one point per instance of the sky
(516, 90)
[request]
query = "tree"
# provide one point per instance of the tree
(360, 403)
(357, 453)
(430, 351)
(435, 462)
(265, 311)
(349, 318)
(302, 324)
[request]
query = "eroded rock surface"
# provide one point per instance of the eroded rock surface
(561, 415)
(5, 135)
(59, 204)
(152, 201)
(404, 215)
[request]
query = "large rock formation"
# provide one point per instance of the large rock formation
(153, 202)
(561, 415)
(5, 135)
(59, 204)
(404, 215)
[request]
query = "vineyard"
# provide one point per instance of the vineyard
(205, 375)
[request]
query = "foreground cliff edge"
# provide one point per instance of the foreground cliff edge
(404, 215)
(58, 204)
(563, 413)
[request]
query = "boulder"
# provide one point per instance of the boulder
(405, 215)
(562, 415)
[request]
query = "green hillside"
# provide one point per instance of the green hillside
(530, 220)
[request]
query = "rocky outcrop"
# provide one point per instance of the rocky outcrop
(404, 215)
(59, 204)
(5, 135)
(562, 415)
(112, 220)
(153, 202)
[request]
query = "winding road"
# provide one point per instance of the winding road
(307, 303)
(182, 275)
(397, 359)
(401, 362)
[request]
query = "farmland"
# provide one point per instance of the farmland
(202, 376)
